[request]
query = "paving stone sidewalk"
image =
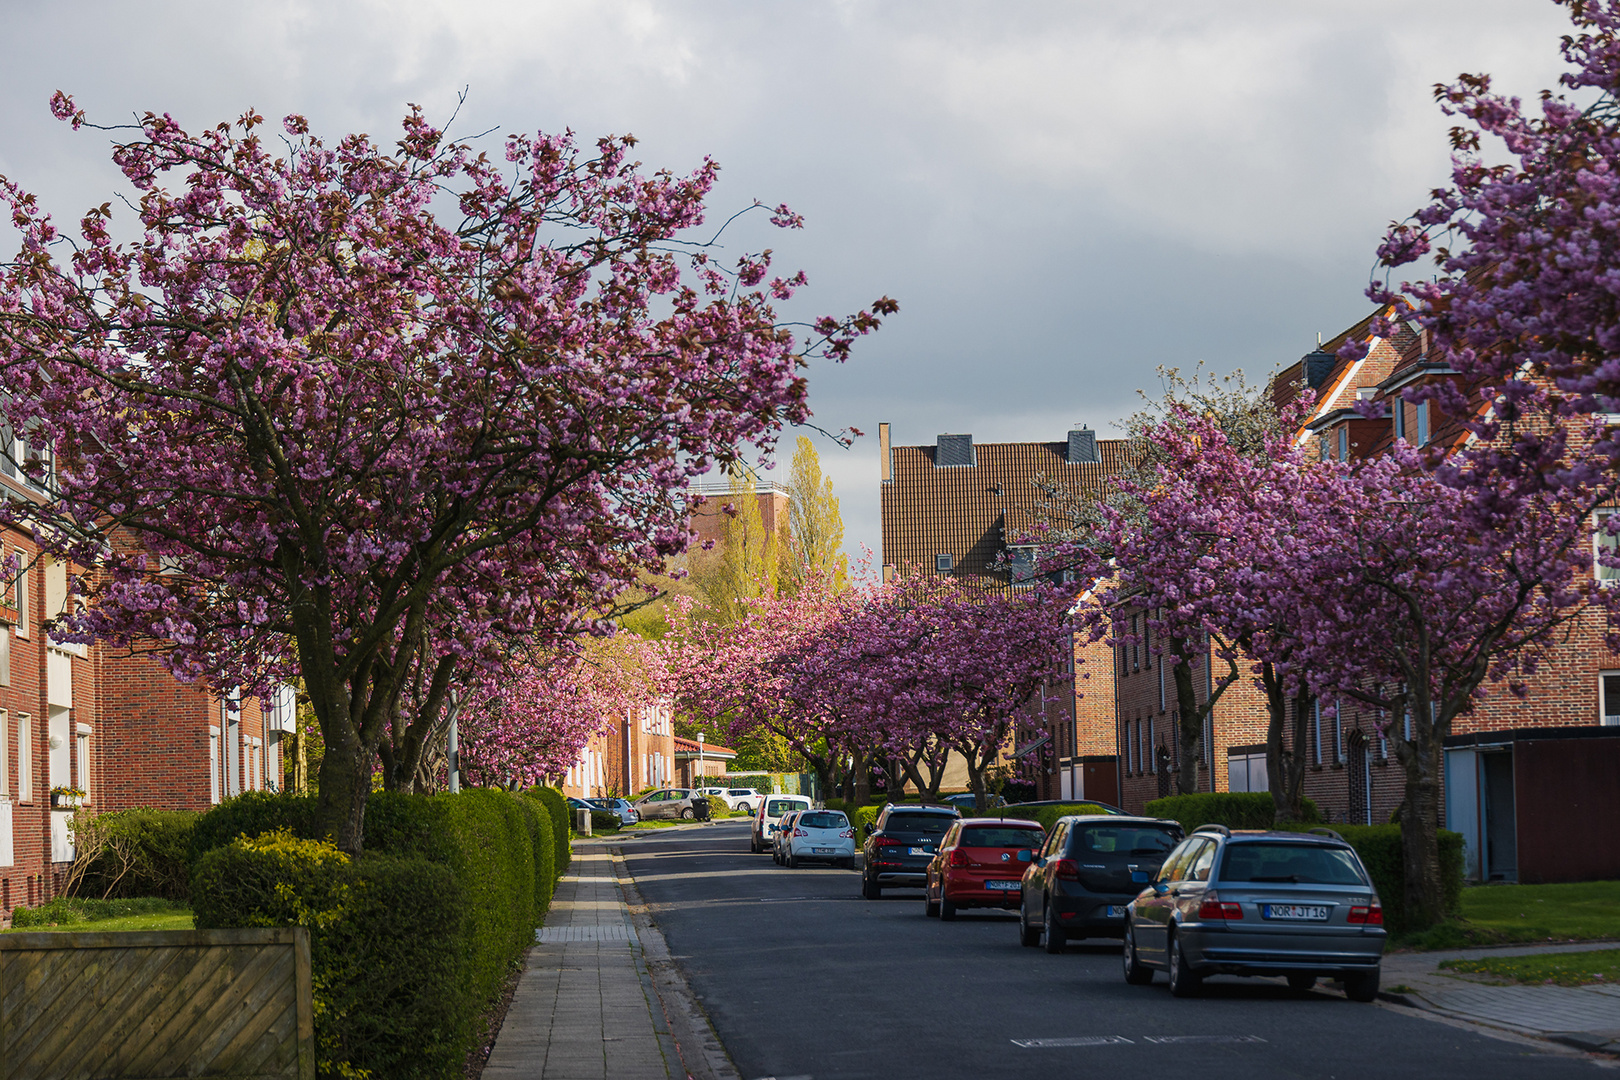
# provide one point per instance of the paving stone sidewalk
(1586, 1017)
(585, 1007)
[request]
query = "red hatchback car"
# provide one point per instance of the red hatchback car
(977, 865)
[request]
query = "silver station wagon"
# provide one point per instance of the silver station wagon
(1275, 903)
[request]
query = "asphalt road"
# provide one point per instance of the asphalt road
(804, 979)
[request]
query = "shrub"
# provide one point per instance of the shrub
(130, 853)
(1234, 809)
(717, 807)
(1382, 853)
(385, 944)
(542, 847)
(253, 813)
(562, 828)
(604, 821)
(1047, 815)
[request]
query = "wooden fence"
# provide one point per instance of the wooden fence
(173, 1003)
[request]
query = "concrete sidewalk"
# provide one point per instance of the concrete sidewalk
(587, 1006)
(1585, 1017)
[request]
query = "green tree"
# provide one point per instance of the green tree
(815, 542)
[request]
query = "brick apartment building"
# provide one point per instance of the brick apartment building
(959, 509)
(635, 751)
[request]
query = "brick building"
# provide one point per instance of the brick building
(635, 752)
(960, 509)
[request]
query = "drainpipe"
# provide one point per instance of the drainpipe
(455, 744)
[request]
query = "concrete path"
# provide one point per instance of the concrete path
(1586, 1017)
(585, 1006)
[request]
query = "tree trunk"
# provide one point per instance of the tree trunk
(1425, 901)
(1285, 759)
(858, 792)
(1192, 728)
(345, 785)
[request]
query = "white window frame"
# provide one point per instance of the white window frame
(20, 585)
(213, 764)
(1400, 417)
(25, 758)
(5, 754)
(1605, 717)
(1606, 576)
(1316, 727)
(944, 563)
(1338, 732)
(1344, 443)
(1421, 415)
(81, 758)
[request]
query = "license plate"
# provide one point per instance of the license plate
(1295, 912)
(918, 851)
(1008, 885)
(822, 850)
(1116, 911)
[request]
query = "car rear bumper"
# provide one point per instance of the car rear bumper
(885, 875)
(972, 892)
(1088, 915)
(1264, 954)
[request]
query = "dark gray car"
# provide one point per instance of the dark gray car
(900, 845)
(1274, 903)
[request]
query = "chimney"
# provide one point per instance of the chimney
(1083, 447)
(1318, 366)
(885, 459)
(953, 450)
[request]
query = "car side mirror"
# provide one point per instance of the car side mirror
(1040, 864)
(1026, 855)
(1160, 888)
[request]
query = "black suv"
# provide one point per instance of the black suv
(1089, 869)
(900, 846)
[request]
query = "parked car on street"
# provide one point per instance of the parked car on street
(768, 815)
(784, 829)
(977, 865)
(966, 800)
(819, 836)
(1089, 869)
(742, 799)
(1299, 905)
(627, 813)
(669, 803)
(900, 845)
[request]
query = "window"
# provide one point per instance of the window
(1161, 688)
(1125, 740)
(14, 597)
(57, 600)
(1201, 863)
(944, 564)
(81, 743)
(1399, 412)
(1338, 732)
(1344, 444)
(1422, 414)
(1605, 545)
(5, 759)
(1136, 645)
(1316, 729)
(25, 758)
(213, 764)
(1609, 692)
(1147, 643)
(1137, 735)
(1246, 772)
(1021, 562)
(1147, 766)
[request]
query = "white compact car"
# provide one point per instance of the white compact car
(768, 815)
(819, 836)
(784, 829)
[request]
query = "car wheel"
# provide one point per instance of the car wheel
(847, 864)
(792, 861)
(930, 905)
(1055, 937)
(1028, 936)
(1135, 973)
(1184, 982)
(947, 910)
(1301, 982)
(870, 889)
(687, 813)
(1362, 986)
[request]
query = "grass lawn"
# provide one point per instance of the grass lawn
(102, 916)
(1512, 914)
(1564, 969)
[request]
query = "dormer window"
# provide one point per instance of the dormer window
(944, 564)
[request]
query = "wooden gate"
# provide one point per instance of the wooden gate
(164, 1004)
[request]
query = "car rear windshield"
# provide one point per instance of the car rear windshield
(935, 824)
(739, 791)
(1282, 862)
(778, 807)
(985, 836)
(1120, 841)
(824, 819)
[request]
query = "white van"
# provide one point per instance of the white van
(770, 811)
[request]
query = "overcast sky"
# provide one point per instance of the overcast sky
(1061, 195)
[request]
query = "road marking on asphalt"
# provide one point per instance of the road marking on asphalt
(1082, 1040)
(1204, 1039)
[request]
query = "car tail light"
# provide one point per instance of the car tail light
(1371, 915)
(1214, 907)
(957, 857)
(800, 832)
(885, 841)
(1065, 870)
(847, 834)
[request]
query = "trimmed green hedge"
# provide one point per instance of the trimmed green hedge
(486, 856)
(562, 827)
(1381, 852)
(1234, 809)
(1048, 815)
(386, 938)
(143, 853)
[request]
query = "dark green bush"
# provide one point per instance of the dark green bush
(386, 944)
(604, 821)
(1381, 852)
(543, 849)
(1234, 809)
(562, 826)
(253, 813)
(139, 853)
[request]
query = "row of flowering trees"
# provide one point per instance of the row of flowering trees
(907, 672)
(379, 417)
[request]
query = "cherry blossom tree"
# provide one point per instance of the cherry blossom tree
(347, 410)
